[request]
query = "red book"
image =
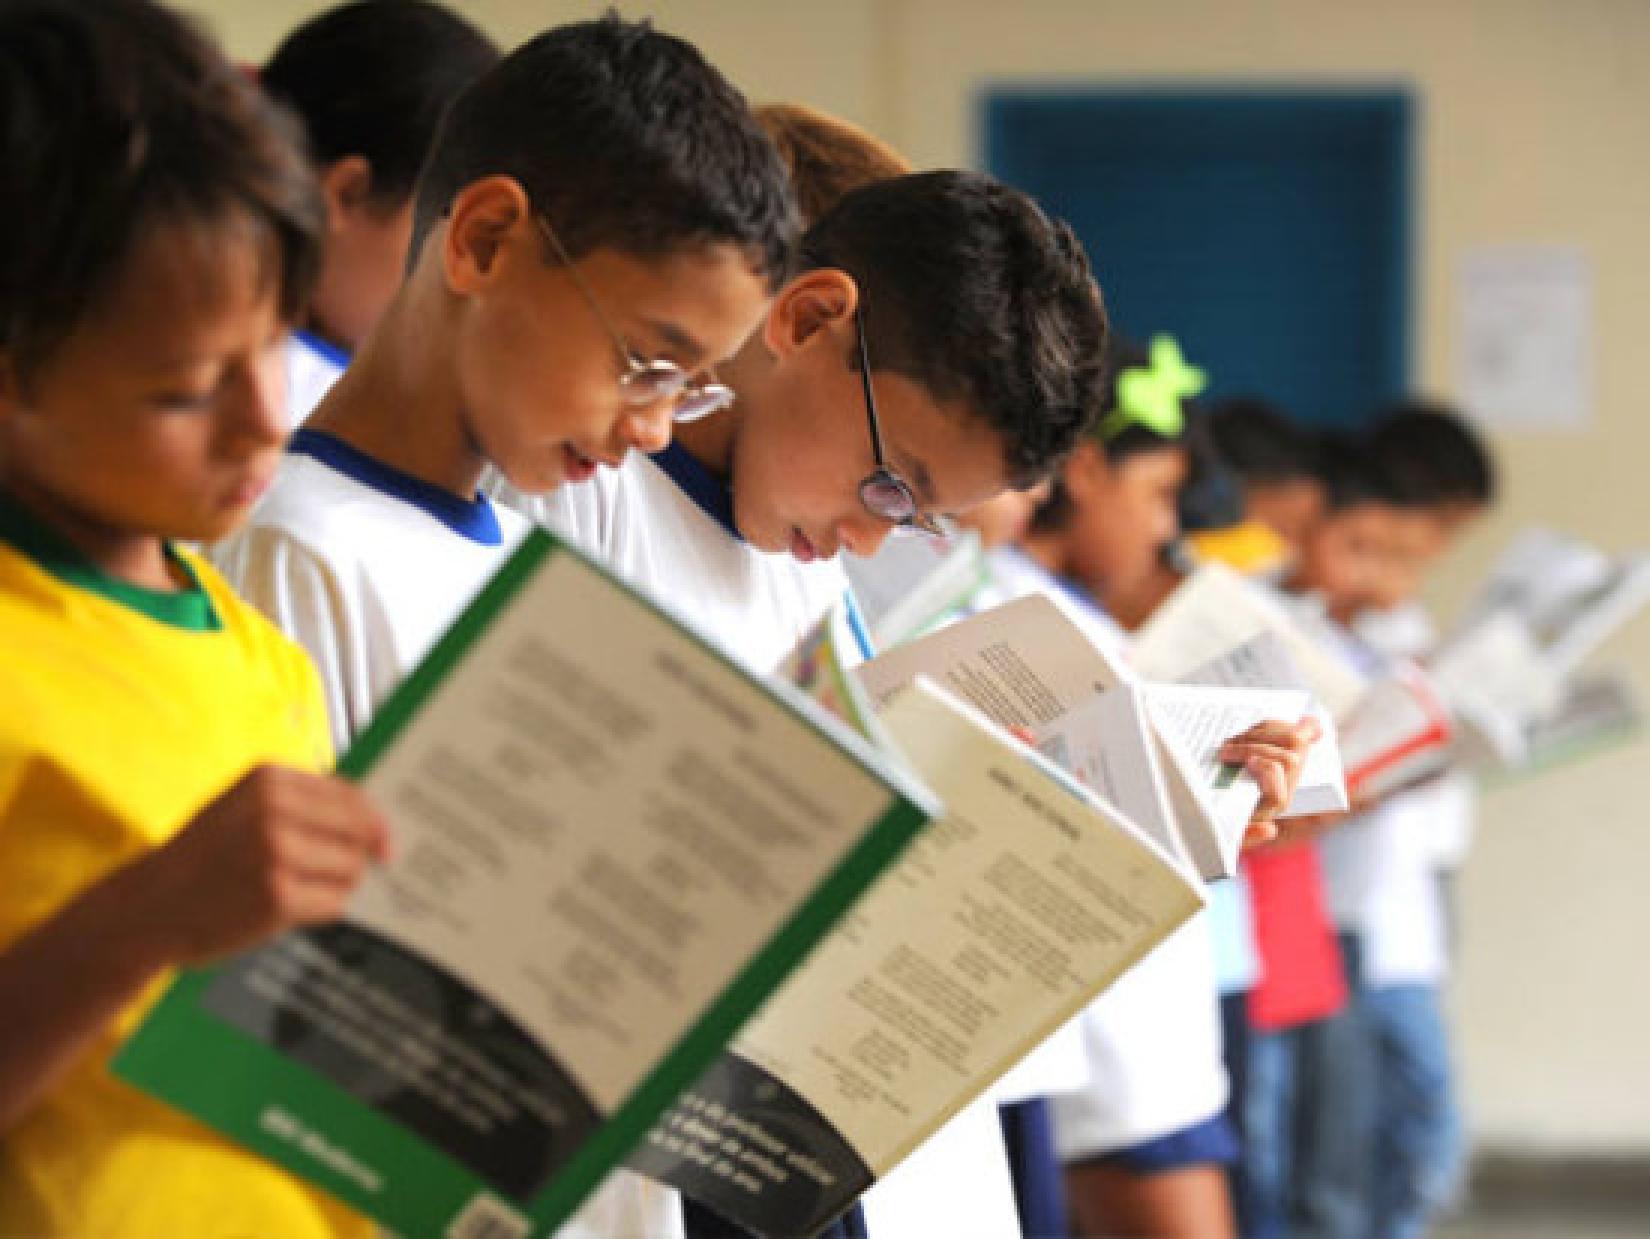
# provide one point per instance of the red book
(1301, 976)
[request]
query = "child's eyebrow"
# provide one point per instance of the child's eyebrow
(677, 339)
(922, 481)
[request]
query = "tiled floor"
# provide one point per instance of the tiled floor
(1544, 1225)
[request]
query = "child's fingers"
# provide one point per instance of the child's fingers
(1273, 781)
(1260, 833)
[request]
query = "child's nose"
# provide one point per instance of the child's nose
(260, 399)
(863, 535)
(647, 430)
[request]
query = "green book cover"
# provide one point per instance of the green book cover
(612, 845)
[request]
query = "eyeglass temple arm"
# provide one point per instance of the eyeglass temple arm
(585, 290)
(865, 380)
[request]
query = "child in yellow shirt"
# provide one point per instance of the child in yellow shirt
(159, 801)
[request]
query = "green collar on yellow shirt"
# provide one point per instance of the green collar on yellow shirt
(188, 608)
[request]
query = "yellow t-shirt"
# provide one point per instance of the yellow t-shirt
(125, 713)
(1249, 546)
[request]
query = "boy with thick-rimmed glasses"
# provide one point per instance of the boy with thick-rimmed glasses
(941, 343)
(600, 222)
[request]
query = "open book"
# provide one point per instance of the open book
(1599, 709)
(1215, 610)
(612, 845)
(1400, 734)
(1027, 665)
(1549, 602)
(1023, 903)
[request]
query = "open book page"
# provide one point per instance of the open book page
(1400, 734)
(1599, 709)
(1214, 610)
(1022, 664)
(1107, 744)
(1574, 630)
(611, 845)
(1537, 576)
(821, 666)
(1495, 680)
(1263, 661)
(912, 584)
(1027, 900)
(1570, 594)
(1195, 722)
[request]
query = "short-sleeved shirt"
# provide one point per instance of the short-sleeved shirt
(313, 365)
(126, 712)
(666, 524)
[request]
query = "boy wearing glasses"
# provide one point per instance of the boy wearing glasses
(560, 308)
(599, 222)
(941, 343)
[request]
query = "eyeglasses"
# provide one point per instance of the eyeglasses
(645, 383)
(883, 492)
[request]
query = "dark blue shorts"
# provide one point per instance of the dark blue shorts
(1209, 1143)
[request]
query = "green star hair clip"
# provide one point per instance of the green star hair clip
(1151, 395)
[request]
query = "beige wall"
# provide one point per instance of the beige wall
(1535, 126)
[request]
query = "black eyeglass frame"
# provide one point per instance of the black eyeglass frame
(882, 492)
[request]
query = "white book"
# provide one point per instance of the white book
(1028, 899)
(1263, 661)
(1215, 610)
(1027, 665)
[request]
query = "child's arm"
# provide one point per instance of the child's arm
(280, 848)
(1274, 753)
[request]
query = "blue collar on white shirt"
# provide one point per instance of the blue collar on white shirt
(322, 348)
(709, 493)
(470, 518)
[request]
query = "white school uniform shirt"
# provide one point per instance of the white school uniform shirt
(312, 367)
(666, 525)
(1380, 866)
(1407, 631)
(365, 568)
(1153, 1040)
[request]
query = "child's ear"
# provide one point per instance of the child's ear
(813, 301)
(482, 217)
(347, 186)
(1085, 472)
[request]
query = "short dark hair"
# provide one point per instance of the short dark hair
(626, 138)
(117, 116)
(1261, 443)
(970, 291)
(1436, 452)
(1212, 496)
(1352, 475)
(373, 79)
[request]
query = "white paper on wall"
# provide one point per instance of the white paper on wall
(1524, 336)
